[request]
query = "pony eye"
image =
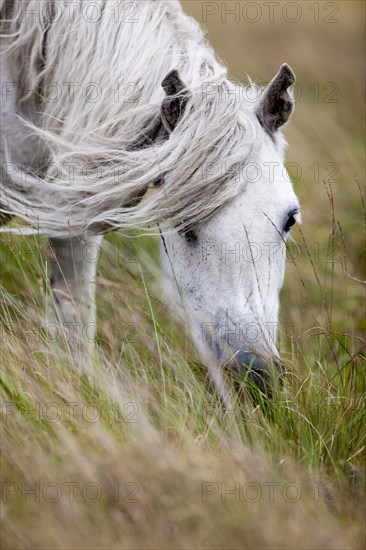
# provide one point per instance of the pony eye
(290, 222)
(190, 236)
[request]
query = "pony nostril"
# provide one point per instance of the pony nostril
(248, 366)
(245, 366)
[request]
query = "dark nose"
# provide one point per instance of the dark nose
(245, 365)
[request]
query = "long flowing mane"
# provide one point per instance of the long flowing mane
(90, 87)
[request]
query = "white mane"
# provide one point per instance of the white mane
(127, 62)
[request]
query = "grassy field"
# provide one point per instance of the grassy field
(139, 454)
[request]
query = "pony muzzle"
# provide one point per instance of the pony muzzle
(247, 368)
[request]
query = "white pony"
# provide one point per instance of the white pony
(103, 101)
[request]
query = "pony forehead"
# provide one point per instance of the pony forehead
(228, 97)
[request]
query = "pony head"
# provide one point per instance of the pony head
(225, 273)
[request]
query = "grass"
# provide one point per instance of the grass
(139, 453)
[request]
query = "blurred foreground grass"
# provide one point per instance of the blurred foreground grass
(140, 454)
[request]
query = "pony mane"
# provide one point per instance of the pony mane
(94, 167)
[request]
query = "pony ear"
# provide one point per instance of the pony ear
(276, 104)
(175, 100)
